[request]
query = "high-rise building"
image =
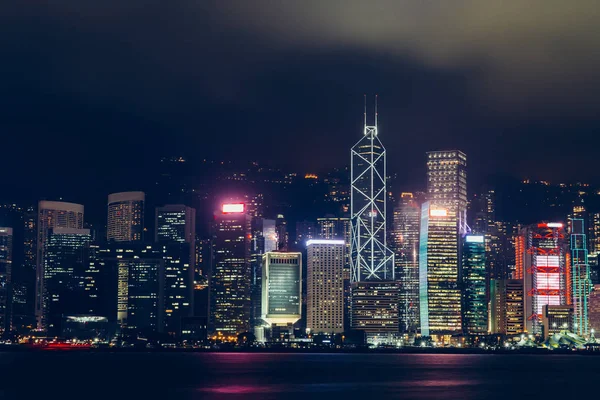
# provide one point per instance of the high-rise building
(594, 309)
(137, 271)
(125, 216)
(443, 221)
(545, 271)
(407, 217)
(580, 276)
(51, 214)
(230, 277)
(283, 237)
(6, 251)
(175, 223)
(474, 293)
(330, 227)
(282, 289)
(447, 184)
(305, 230)
(66, 261)
(372, 262)
(439, 291)
(325, 292)
(506, 306)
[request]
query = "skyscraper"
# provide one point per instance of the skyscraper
(474, 293)
(582, 284)
(66, 260)
(506, 306)
(6, 250)
(545, 270)
(175, 223)
(406, 245)
(330, 227)
(282, 290)
(283, 238)
(230, 276)
(125, 216)
(51, 214)
(443, 221)
(325, 292)
(439, 291)
(372, 262)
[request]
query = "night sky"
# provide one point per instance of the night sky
(92, 92)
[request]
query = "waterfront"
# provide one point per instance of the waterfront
(291, 376)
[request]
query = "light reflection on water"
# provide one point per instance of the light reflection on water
(216, 376)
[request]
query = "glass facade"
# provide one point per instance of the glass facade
(281, 287)
(475, 307)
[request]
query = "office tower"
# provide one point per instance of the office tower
(264, 239)
(407, 215)
(580, 275)
(66, 260)
(545, 272)
(330, 227)
(443, 220)
(372, 262)
(305, 230)
(594, 309)
(6, 258)
(178, 285)
(282, 291)
(556, 319)
(230, 276)
(125, 216)
(325, 292)
(175, 223)
(51, 214)
(447, 184)
(439, 292)
(506, 306)
(137, 274)
(24, 286)
(474, 293)
(283, 238)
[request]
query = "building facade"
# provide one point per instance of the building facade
(407, 216)
(371, 260)
(581, 281)
(6, 258)
(230, 276)
(51, 214)
(474, 293)
(545, 270)
(439, 285)
(325, 281)
(125, 216)
(282, 289)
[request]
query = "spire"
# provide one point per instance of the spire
(365, 110)
(376, 110)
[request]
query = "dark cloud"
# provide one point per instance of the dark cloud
(512, 83)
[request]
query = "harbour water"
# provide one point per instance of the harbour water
(82, 375)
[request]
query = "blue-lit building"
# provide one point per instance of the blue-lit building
(474, 294)
(6, 249)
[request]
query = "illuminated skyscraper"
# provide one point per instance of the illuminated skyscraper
(506, 306)
(372, 262)
(175, 223)
(51, 214)
(439, 291)
(126, 216)
(546, 273)
(407, 217)
(283, 238)
(594, 309)
(66, 261)
(325, 293)
(330, 227)
(230, 277)
(282, 289)
(6, 250)
(582, 284)
(474, 307)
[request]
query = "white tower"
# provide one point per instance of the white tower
(371, 259)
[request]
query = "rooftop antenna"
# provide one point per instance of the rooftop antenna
(365, 110)
(376, 110)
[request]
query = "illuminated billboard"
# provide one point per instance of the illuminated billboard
(438, 212)
(233, 208)
(474, 238)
